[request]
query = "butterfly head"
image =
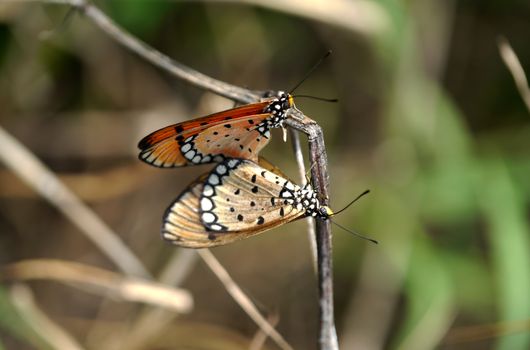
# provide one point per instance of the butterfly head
(325, 212)
(314, 208)
(307, 198)
(278, 108)
(286, 100)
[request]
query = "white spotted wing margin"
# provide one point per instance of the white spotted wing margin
(238, 199)
(182, 225)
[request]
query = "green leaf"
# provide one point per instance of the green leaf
(503, 206)
(15, 326)
(429, 297)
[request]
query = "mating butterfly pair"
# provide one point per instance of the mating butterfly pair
(238, 198)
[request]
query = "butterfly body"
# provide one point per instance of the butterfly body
(237, 199)
(235, 133)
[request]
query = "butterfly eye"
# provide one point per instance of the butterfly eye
(325, 212)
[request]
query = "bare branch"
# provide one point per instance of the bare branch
(258, 342)
(241, 298)
(56, 336)
(23, 163)
(516, 69)
(295, 141)
(360, 16)
(151, 321)
(100, 281)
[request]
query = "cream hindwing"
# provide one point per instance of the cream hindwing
(236, 200)
(239, 195)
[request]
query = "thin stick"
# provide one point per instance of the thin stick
(259, 339)
(295, 142)
(157, 58)
(100, 281)
(152, 321)
(56, 336)
(327, 338)
(328, 335)
(23, 163)
(516, 69)
(242, 299)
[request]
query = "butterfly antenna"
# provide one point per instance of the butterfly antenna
(318, 98)
(353, 201)
(311, 71)
(356, 234)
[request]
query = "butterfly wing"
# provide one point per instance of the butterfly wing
(183, 227)
(240, 196)
(231, 133)
(183, 224)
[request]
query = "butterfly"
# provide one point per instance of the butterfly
(236, 200)
(239, 132)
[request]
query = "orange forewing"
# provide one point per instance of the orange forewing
(162, 147)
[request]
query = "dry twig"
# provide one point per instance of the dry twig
(516, 69)
(100, 281)
(48, 330)
(295, 141)
(23, 163)
(244, 301)
(150, 322)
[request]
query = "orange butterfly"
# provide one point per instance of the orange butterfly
(236, 200)
(235, 133)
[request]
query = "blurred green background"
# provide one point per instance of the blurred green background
(428, 118)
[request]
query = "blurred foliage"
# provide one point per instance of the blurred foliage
(429, 119)
(15, 326)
